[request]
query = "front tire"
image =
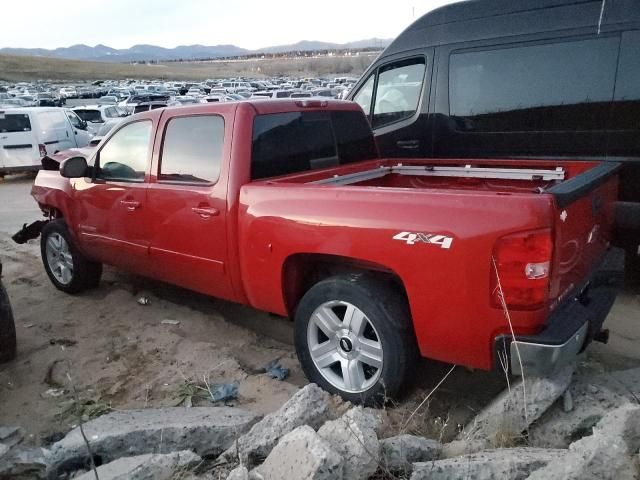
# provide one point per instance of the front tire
(7, 328)
(68, 269)
(354, 337)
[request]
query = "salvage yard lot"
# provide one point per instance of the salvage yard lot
(120, 355)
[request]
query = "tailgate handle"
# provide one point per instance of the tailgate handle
(408, 144)
(205, 212)
(131, 205)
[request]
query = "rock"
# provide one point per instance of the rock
(302, 455)
(457, 448)
(24, 463)
(353, 436)
(508, 463)
(397, 454)
(145, 467)
(205, 430)
(239, 473)
(504, 419)
(558, 429)
(309, 406)
(3, 449)
(10, 436)
(604, 454)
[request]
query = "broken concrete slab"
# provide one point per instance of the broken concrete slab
(24, 463)
(239, 473)
(302, 455)
(604, 454)
(457, 448)
(353, 436)
(505, 418)
(511, 463)
(593, 397)
(309, 406)
(397, 454)
(4, 449)
(146, 467)
(10, 436)
(205, 430)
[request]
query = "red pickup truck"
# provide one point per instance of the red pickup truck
(286, 206)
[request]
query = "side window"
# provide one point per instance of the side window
(126, 153)
(626, 107)
(74, 119)
(365, 94)
(192, 149)
(546, 87)
(398, 91)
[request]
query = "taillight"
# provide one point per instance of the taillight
(523, 266)
(43, 150)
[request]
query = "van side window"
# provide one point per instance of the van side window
(365, 94)
(626, 107)
(125, 155)
(544, 87)
(192, 149)
(398, 91)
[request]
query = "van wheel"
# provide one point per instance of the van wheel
(67, 268)
(7, 328)
(354, 337)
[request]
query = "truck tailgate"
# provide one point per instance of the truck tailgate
(583, 227)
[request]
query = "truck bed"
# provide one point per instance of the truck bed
(500, 176)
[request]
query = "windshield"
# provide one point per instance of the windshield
(18, 122)
(93, 116)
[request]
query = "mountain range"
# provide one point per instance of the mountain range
(137, 53)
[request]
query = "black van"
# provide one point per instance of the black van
(515, 78)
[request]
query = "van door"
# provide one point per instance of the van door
(18, 141)
(395, 98)
(78, 129)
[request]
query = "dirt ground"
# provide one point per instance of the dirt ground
(102, 350)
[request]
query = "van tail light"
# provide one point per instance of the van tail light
(43, 150)
(523, 267)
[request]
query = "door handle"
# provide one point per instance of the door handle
(408, 144)
(130, 205)
(206, 212)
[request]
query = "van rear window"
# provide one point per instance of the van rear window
(14, 122)
(292, 142)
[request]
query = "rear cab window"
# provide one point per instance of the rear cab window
(293, 142)
(14, 122)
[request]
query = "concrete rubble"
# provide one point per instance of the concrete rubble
(23, 463)
(507, 463)
(145, 467)
(607, 453)
(302, 455)
(397, 454)
(309, 406)
(205, 430)
(353, 436)
(506, 418)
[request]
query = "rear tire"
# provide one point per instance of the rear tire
(354, 337)
(7, 328)
(68, 269)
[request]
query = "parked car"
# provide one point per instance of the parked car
(29, 134)
(131, 102)
(290, 218)
(466, 81)
(146, 106)
(68, 92)
(7, 326)
(104, 129)
(108, 100)
(45, 99)
(97, 113)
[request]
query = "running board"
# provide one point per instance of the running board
(467, 171)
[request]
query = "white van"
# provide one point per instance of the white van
(28, 134)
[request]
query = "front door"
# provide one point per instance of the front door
(112, 223)
(188, 205)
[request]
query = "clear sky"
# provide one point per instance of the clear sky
(246, 23)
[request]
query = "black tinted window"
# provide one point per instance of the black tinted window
(192, 149)
(561, 86)
(626, 112)
(292, 142)
(14, 122)
(398, 91)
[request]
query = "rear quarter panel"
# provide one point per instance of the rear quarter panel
(448, 289)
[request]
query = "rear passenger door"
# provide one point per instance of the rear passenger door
(187, 203)
(395, 98)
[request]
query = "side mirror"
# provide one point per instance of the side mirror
(74, 167)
